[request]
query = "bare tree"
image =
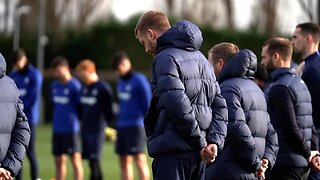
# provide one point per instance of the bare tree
(269, 8)
(229, 13)
(306, 7)
(170, 6)
(6, 16)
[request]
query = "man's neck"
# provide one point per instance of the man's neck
(311, 50)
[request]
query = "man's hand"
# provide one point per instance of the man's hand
(263, 168)
(209, 153)
(4, 174)
(315, 162)
(313, 154)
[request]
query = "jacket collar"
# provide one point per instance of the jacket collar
(279, 72)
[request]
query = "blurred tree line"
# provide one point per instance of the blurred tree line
(76, 30)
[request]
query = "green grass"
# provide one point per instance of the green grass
(109, 160)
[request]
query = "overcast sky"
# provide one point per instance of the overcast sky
(289, 12)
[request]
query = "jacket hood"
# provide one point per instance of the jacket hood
(183, 35)
(3, 66)
(243, 64)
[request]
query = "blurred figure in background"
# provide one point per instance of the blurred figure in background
(29, 82)
(65, 96)
(261, 77)
(14, 129)
(305, 41)
(134, 94)
(96, 111)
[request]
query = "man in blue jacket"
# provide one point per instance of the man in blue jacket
(251, 145)
(14, 129)
(65, 96)
(96, 110)
(289, 106)
(29, 82)
(134, 94)
(187, 118)
(305, 41)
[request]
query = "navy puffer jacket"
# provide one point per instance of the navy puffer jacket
(187, 111)
(14, 128)
(251, 136)
(293, 123)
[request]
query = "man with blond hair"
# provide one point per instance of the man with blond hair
(219, 53)
(187, 120)
(96, 110)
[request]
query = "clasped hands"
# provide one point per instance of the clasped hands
(314, 160)
(208, 154)
(4, 174)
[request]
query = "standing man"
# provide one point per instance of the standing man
(96, 100)
(289, 106)
(14, 129)
(65, 96)
(29, 82)
(251, 144)
(134, 94)
(187, 118)
(305, 41)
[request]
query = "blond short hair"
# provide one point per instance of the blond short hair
(155, 20)
(224, 51)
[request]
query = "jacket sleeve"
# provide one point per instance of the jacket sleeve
(272, 146)
(144, 91)
(176, 102)
(20, 137)
(241, 139)
(34, 91)
(107, 101)
(218, 128)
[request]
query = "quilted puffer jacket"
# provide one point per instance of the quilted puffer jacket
(187, 111)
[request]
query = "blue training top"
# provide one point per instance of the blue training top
(66, 100)
(29, 83)
(96, 100)
(134, 95)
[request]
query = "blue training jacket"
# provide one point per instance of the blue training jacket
(134, 93)
(96, 106)
(29, 83)
(66, 100)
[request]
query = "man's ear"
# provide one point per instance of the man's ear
(221, 62)
(309, 38)
(151, 34)
(276, 57)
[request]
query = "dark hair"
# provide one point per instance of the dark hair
(16, 55)
(59, 61)
(282, 46)
(118, 58)
(310, 28)
(261, 73)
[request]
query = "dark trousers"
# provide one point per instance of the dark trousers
(178, 168)
(31, 156)
(289, 173)
(314, 175)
